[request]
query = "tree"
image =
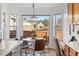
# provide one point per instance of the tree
(45, 22)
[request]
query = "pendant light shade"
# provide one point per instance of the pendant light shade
(33, 18)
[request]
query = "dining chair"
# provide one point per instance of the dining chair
(39, 46)
(46, 40)
(24, 47)
(46, 43)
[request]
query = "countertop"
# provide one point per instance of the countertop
(74, 45)
(7, 46)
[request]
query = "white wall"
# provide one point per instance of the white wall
(17, 27)
(0, 21)
(4, 21)
(66, 36)
(5, 10)
(19, 24)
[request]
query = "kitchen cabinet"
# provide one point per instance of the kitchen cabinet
(73, 13)
(66, 50)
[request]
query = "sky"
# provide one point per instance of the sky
(58, 17)
(38, 17)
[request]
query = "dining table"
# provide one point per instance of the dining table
(31, 42)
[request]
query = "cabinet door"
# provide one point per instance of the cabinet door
(76, 13)
(70, 14)
(72, 52)
(73, 13)
(73, 16)
(66, 50)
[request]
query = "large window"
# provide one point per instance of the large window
(12, 26)
(37, 27)
(58, 26)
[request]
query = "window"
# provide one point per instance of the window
(38, 27)
(12, 26)
(58, 26)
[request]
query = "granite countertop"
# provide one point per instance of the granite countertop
(74, 45)
(7, 46)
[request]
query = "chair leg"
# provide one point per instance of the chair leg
(40, 53)
(25, 52)
(34, 53)
(47, 49)
(44, 53)
(20, 53)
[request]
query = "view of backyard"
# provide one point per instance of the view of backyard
(37, 27)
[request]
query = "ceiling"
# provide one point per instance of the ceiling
(29, 5)
(40, 8)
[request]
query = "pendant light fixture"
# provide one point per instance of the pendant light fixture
(33, 18)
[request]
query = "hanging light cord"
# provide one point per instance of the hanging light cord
(33, 10)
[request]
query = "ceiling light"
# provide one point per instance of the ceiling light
(33, 18)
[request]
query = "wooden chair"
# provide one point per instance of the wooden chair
(39, 46)
(58, 50)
